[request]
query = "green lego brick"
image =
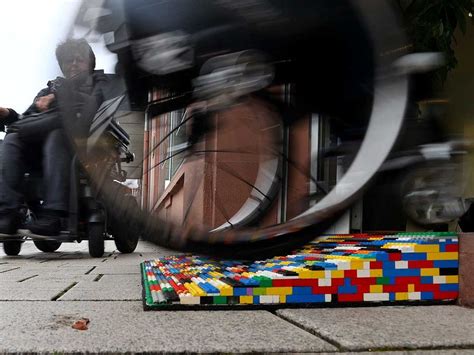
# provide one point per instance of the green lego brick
(220, 300)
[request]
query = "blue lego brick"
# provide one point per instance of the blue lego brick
(306, 290)
(427, 296)
(305, 298)
(256, 299)
(401, 272)
(427, 280)
(240, 291)
(445, 263)
(449, 287)
(414, 256)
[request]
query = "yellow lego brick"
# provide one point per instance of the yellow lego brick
(429, 272)
(376, 288)
(227, 291)
(411, 288)
(401, 296)
(246, 299)
(199, 290)
(427, 248)
(376, 273)
(191, 289)
(279, 290)
(357, 264)
(452, 279)
(309, 274)
(282, 298)
(337, 274)
(452, 255)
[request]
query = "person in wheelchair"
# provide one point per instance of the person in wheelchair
(42, 135)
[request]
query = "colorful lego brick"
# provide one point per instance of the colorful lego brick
(340, 268)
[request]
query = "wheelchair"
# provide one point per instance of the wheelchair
(90, 217)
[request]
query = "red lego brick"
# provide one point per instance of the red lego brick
(427, 287)
(376, 265)
(356, 297)
(323, 290)
(350, 274)
(395, 288)
(407, 280)
(452, 247)
(445, 295)
(364, 281)
(420, 264)
(395, 256)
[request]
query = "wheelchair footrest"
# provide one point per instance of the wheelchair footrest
(64, 236)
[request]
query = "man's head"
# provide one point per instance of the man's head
(75, 56)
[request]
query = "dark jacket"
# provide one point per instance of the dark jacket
(76, 101)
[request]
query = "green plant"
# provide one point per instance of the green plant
(431, 25)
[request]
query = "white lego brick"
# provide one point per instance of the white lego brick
(402, 264)
(439, 279)
(327, 298)
(266, 299)
(325, 282)
(376, 297)
(363, 273)
(414, 296)
(188, 299)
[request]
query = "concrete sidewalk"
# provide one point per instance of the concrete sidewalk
(41, 295)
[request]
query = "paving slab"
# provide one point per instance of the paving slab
(116, 268)
(393, 327)
(32, 291)
(108, 288)
(124, 327)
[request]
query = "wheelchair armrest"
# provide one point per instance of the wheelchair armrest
(118, 132)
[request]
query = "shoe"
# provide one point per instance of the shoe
(10, 221)
(48, 223)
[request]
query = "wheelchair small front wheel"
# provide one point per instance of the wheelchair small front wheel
(96, 239)
(47, 246)
(12, 247)
(125, 227)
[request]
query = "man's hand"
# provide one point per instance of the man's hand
(4, 112)
(42, 103)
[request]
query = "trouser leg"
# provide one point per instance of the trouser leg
(57, 171)
(13, 168)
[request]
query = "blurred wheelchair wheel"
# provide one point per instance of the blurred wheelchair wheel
(353, 79)
(12, 247)
(96, 245)
(47, 246)
(124, 226)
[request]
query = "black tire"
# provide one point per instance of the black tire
(47, 246)
(96, 240)
(125, 227)
(12, 247)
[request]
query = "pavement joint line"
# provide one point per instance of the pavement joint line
(414, 348)
(44, 261)
(98, 277)
(334, 343)
(104, 260)
(4, 271)
(89, 271)
(63, 292)
(27, 278)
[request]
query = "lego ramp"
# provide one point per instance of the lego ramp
(332, 270)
